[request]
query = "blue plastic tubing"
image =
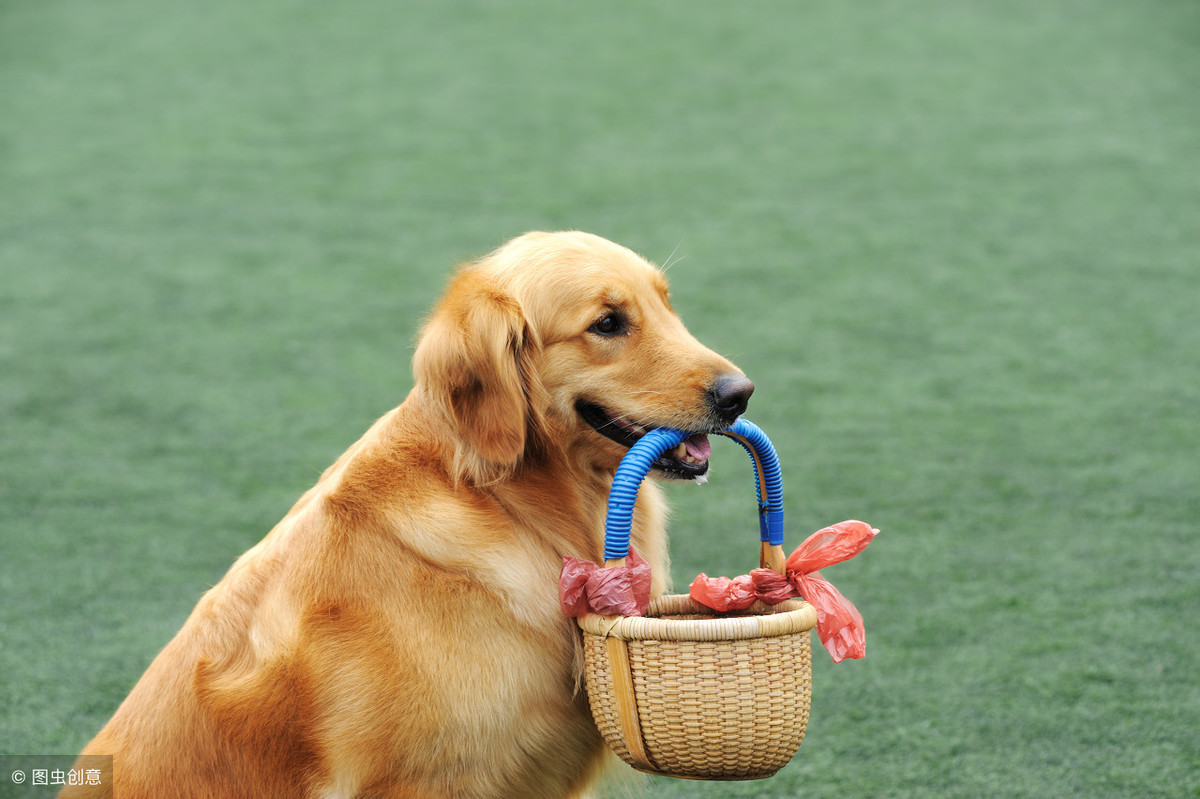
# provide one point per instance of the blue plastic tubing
(641, 457)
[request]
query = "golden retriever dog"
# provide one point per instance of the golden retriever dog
(398, 633)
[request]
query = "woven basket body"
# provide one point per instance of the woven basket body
(684, 692)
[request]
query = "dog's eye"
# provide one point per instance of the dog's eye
(611, 324)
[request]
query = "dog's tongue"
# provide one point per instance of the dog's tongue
(698, 446)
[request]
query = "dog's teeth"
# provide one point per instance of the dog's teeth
(681, 453)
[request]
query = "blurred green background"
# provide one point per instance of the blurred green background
(954, 244)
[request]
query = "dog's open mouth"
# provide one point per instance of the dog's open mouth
(687, 461)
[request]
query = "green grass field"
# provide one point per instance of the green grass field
(956, 245)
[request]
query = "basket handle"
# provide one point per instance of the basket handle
(641, 457)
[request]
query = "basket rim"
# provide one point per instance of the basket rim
(759, 621)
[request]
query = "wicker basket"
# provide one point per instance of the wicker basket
(684, 691)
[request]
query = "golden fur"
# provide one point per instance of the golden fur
(398, 633)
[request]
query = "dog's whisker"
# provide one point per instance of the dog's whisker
(667, 263)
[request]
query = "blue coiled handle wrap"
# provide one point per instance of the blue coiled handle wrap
(641, 457)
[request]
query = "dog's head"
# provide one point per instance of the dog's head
(567, 342)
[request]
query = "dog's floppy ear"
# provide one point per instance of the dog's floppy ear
(473, 366)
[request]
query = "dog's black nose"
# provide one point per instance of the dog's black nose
(730, 394)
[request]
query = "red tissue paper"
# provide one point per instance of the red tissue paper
(839, 624)
(585, 587)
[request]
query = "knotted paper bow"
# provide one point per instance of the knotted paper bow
(839, 624)
(584, 587)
